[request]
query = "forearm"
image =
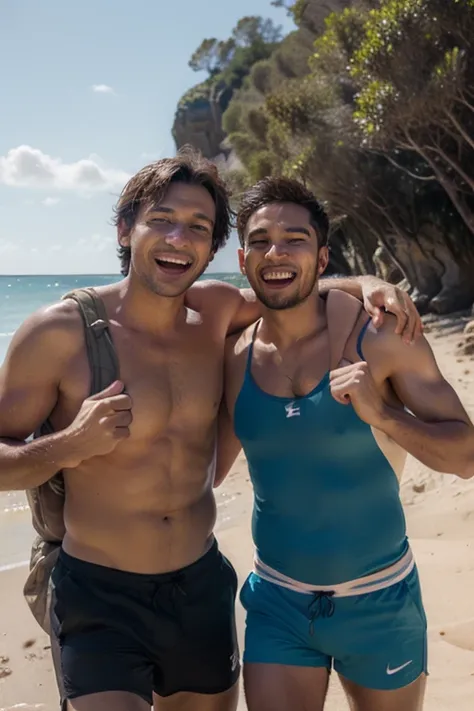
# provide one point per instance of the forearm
(24, 465)
(351, 285)
(446, 447)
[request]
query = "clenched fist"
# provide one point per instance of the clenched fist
(101, 423)
(353, 384)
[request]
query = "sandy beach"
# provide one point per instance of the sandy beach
(440, 516)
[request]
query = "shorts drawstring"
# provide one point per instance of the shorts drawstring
(322, 605)
(176, 581)
(170, 590)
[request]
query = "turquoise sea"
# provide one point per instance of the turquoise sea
(21, 295)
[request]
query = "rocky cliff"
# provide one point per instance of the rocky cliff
(198, 118)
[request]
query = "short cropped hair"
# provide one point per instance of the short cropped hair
(280, 190)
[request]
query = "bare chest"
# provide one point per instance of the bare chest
(175, 384)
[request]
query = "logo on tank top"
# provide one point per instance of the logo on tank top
(292, 411)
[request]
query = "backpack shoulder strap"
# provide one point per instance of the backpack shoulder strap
(101, 351)
(343, 312)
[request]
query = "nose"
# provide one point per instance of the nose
(177, 236)
(276, 251)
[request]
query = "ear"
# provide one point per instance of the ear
(211, 257)
(323, 260)
(241, 256)
(123, 234)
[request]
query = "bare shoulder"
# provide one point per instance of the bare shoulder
(386, 351)
(383, 338)
(38, 359)
(216, 301)
(52, 331)
(374, 342)
(206, 290)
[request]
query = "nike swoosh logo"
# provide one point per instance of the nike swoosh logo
(397, 669)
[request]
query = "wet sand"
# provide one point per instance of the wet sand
(440, 516)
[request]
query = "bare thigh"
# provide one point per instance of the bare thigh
(410, 698)
(278, 687)
(227, 701)
(106, 700)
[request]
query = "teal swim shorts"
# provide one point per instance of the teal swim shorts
(377, 640)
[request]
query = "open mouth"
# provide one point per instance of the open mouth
(278, 278)
(173, 265)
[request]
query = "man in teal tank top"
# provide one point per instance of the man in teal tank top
(325, 407)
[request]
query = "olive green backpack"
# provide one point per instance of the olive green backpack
(47, 501)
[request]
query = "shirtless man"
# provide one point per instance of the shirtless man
(143, 600)
(324, 429)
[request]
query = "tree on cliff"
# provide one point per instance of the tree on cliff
(213, 56)
(380, 124)
(253, 29)
(227, 63)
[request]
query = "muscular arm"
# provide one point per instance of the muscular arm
(439, 433)
(248, 311)
(351, 285)
(29, 385)
(238, 308)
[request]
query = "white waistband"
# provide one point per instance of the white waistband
(370, 583)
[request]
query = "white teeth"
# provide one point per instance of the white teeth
(278, 275)
(174, 260)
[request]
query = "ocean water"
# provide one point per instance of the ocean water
(21, 295)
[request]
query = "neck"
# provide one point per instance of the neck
(141, 310)
(286, 327)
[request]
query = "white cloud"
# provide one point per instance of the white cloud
(50, 201)
(27, 167)
(102, 89)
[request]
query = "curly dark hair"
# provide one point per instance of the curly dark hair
(279, 190)
(152, 182)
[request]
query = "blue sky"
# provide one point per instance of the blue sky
(89, 91)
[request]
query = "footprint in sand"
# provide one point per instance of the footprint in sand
(4, 672)
(4, 669)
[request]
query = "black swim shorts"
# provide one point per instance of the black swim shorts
(119, 631)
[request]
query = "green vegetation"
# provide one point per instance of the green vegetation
(228, 62)
(375, 111)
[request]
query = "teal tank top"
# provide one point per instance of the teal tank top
(327, 508)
